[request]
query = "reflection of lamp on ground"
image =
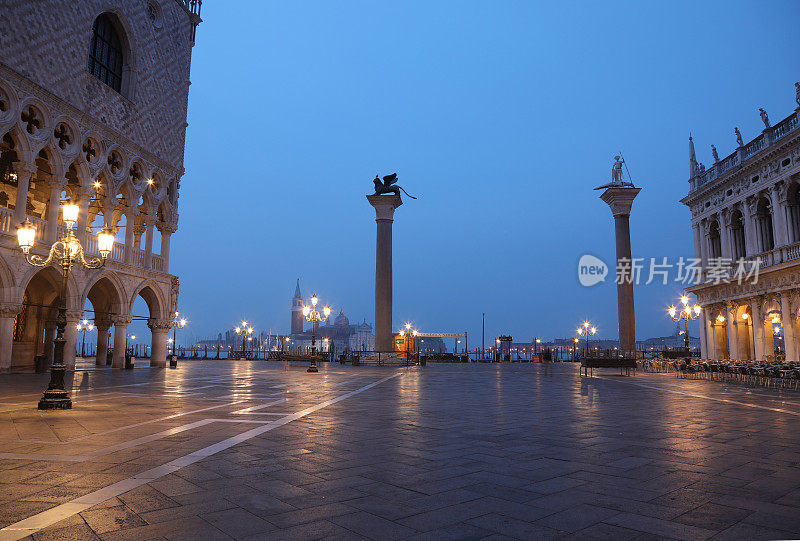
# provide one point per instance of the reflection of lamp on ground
(585, 330)
(686, 313)
(65, 252)
(311, 314)
(82, 327)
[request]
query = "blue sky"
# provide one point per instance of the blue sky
(500, 116)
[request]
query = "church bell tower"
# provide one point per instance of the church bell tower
(297, 310)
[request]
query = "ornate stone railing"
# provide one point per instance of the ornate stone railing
(766, 139)
(90, 246)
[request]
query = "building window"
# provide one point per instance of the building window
(20, 320)
(764, 225)
(737, 235)
(714, 241)
(105, 53)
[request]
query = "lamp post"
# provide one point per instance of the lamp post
(412, 333)
(685, 313)
(536, 343)
(311, 314)
(82, 327)
(65, 252)
(245, 331)
(585, 330)
(574, 345)
(176, 322)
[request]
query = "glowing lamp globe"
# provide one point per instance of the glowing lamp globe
(306, 310)
(672, 310)
(70, 214)
(326, 311)
(105, 242)
(697, 309)
(26, 234)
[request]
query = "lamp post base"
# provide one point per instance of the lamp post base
(55, 399)
(312, 368)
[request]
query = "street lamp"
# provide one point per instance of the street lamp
(245, 331)
(177, 322)
(585, 330)
(536, 343)
(574, 345)
(412, 333)
(311, 314)
(82, 327)
(65, 252)
(132, 337)
(685, 313)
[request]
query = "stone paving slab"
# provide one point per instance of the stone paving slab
(248, 450)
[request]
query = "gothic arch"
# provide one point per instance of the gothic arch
(107, 294)
(153, 296)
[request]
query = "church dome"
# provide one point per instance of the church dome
(341, 320)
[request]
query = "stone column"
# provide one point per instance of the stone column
(758, 329)
(148, 245)
(725, 235)
(733, 333)
(130, 221)
(779, 216)
(620, 201)
(120, 335)
(158, 342)
(166, 230)
(102, 341)
(750, 237)
(704, 325)
(789, 328)
(71, 338)
(53, 207)
(84, 200)
(8, 312)
(24, 173)
(385, 206)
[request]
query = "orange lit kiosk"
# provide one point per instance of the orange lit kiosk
(403, 344)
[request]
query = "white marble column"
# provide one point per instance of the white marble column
(84, 199)
(725, 235)
(758, 329)
(8, 312)
(71, 338)
(706, 337)
(120, 336)
(750, 236)
(148, 245)
(158, 342)
(130, 221)
(779, 217)
(789, 328)
(166, 235)
(53, 208)
(733, 334)
(102, 341)
(24, 173)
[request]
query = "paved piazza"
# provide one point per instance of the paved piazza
(220, 450)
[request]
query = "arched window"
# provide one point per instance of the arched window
(106, 57)
(737, 235)
(714, 241)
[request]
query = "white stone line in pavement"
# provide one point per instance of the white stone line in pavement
(126, 427)
(695, 395)
(251, 409)
(32, 524)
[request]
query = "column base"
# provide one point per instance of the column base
(312, 369)
(55, 399)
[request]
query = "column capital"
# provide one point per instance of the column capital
(74, 315)
(620, 200)
(385, 206)
(159, 324)
(25, 167)
(10, 310)
(102, 324)
(166, 228)
(120, 320)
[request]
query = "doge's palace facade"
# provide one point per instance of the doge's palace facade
(93, 104)
(746, 207)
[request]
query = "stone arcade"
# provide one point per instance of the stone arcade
(747, 206)
(93, 102)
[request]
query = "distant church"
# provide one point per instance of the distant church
(342, 334)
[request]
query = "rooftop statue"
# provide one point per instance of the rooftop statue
(714, 152)
(738, 136)
(386, 186)
(764, 116)
(617, 179)
(797, 93)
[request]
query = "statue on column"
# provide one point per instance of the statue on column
(617, 178)
(738, 136)
(386, 186)
(764, 116)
